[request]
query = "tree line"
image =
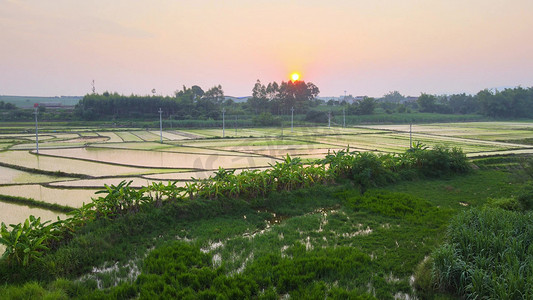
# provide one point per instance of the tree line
(270, 102)
(194, 103)
(508, 103)
(188, 103)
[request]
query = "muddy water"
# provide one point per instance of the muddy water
(99, 183)
(189, 175)
(156, 159)
(14, 213)
(28, 160)
(68, 197)
(10, 176)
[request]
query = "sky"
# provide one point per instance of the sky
(363, 47)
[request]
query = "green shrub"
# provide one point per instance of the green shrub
(398, 205)
(368, 170)
(30, 290)
(525, 197)
(438, 161)
(266, 119)
(507, 203)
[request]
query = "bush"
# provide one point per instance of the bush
(507, 203)
(525, 198)
(266, 119)
(368, 171)
(438, 161)
(316, 116)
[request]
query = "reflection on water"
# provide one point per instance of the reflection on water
(28, 160)
(99, 183)
(72, 198)
(156, 159)
(10, 176)
(13, 213)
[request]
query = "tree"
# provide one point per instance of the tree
(367, 106)
(427, 102)
(197, 91)
(394, 97)
(259, 102)
(215, 94)
(462, 104)
(297, 94)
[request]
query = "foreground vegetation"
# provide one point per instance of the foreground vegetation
(353, 225)
(230, 213)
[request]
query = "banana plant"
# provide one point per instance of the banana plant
(25, 242)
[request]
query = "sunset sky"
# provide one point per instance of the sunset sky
(363, 47)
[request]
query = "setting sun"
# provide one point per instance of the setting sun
(295, 76)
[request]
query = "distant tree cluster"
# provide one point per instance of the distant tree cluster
(448, 104)
(188, 103)
(270, 102)
(509, 103)
(281, 98)
(7, 106)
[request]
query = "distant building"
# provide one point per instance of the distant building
(237, 99)
(51, 104)
(411, 99)
(351, 99)
(55, 105)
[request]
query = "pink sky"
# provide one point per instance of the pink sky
(364, 47)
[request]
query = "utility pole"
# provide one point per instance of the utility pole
(36, 127)
(223, 122)
(160, 126)
(329, 119)
(292, 118)
(343, 118)
(410, 136)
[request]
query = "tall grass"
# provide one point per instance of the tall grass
(488, 255)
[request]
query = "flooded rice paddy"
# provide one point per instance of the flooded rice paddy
(88, 158)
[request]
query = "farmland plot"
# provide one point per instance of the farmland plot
(134, 145)
(490, 131)
(112, 137)
(127, 136)
(159, 159)
(99, 183)
(66, 197)
(18, 213)
(73, 166)
(169, 135)
(146, 136)
(11, 176)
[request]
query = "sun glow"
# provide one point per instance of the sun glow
(295, 76)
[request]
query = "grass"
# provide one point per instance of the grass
(487, 255)
(472, 190)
